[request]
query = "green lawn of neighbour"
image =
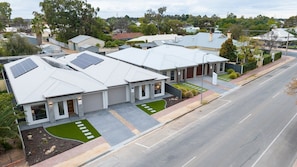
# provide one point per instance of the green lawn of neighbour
(189, 86)
(152, 107)
(75, 130)
(224, 77)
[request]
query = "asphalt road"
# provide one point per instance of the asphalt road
(255, 125)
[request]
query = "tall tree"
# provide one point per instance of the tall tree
(16, 46)
(228, 50)
(5, 13)
(69, 18)
(38, 25)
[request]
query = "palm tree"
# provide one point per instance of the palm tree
(38, 25)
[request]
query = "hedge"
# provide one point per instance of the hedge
(267, 60)
(249, 66)
(277, 56)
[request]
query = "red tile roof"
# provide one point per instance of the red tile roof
(127, 36)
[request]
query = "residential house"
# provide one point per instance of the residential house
(208, 42)
(158, 39)
(278, 37)
(126, 36)
(81, 40)
(176, 62)
(49, 89)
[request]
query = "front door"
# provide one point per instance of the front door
(60, 110)
(70, 107)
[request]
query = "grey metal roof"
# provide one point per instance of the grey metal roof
(79, 38)
(165, 57)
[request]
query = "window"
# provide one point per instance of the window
(143, 90)
(164, 73)
(172, 75)
(61, 108)
(158, 88)
(38, 112)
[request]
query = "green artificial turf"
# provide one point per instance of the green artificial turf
(152, 107)
(72, 131)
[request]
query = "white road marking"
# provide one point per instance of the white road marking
(277, 75)
(276, 95)
(244, 119)
(142, 145)
(228, 101)
(274, 140)
(189, 162)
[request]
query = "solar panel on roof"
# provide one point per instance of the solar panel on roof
(22, 67)
(85, 60)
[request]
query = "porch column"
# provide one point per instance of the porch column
(152, 91)
(132, 94)
(51, 112)
(80, 107)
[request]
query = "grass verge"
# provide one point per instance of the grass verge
(224, 77)
(75, 131)
(152, 107)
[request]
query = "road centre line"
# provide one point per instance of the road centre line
(227, 102)
(264, 152)
(189, 161)
(276, 95)
(244, 119)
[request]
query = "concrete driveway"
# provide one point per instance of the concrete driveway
(121, 122)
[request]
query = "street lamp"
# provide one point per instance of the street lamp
(202, 77)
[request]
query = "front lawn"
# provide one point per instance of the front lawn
(189, 86)
(79, 130)
(152, 107)
(224, 77)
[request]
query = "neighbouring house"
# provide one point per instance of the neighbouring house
(49, 89)
(50, 48)
(159, 39)
(191, 29)
(208, 42)
(82, 40)
(90, 48)
(30, 38)
(176, 62)
(126, 36)
(279, 37)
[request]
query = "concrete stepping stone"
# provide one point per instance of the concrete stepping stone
(78, 122)
(153, 111)
(85, 130)
(80, 125)
(90, 137)
(82, 128)
(147, 107)
(87, 134)
(143, 104)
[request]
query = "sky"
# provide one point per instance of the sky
(137, 8)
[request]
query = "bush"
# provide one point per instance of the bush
(195, 92)
(6, 146)
(183, 90)
(230, 70)
(233, 75)
(238, 74)
(249, 66)
(189, 94)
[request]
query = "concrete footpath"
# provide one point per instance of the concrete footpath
(97, 147)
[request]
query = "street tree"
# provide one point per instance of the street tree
(38, 25)
(228, 50)
(5, 14)
(69, 18)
